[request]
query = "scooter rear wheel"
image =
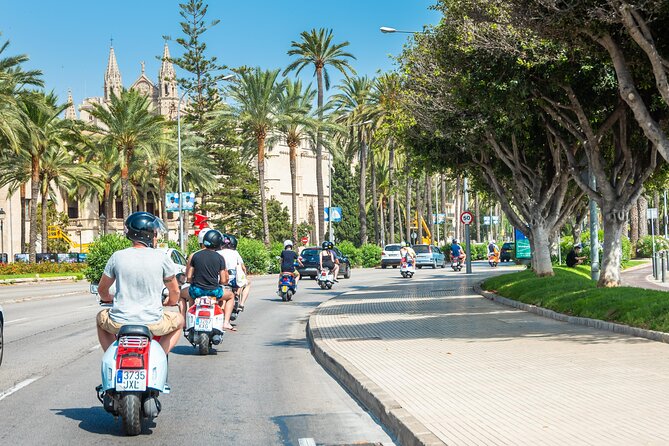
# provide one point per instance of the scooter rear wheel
(203, 344)
(289, 296)
(131, 417)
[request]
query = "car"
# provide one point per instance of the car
(506, 253)
(429, 255)
(309, 258)
(2, 338)
(178, 258)
(390, 256)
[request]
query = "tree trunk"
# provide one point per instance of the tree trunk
(477, 218)
(539, 235)
(407, 211)
(45, 205)
(442, 181)
(107, 205)
(362, 212)
(261, 180)
(319, 159)
(399, 218)
(375, 197)
(457, 200)
(22, 192)
(125, 188)
(34, 193)
(430, 209)
(419, 212)
(614, 225)
(391, 193)
(293, 189)
(634, 224)
(382, 218)
(643, 221)
(162, 185)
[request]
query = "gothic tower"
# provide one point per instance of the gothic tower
(113, 82)
(70, 112)
(168, 98)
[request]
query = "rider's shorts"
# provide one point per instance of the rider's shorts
(195, 291)
(170, 322)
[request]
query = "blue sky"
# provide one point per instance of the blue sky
(69, 39)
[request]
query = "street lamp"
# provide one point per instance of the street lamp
(389, 30)
(79, 227)
(2, 235)
(103, 221)
(182, 243)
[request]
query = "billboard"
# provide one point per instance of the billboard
(523, 250)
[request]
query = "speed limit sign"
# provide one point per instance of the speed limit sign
(466, 218)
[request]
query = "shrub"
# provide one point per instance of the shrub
(100, 251)
(192, 245)
(354, 254)
(479, 251)
(41, 268)
(370, 255)
(274, 263)
(644, 246)
(255, 255)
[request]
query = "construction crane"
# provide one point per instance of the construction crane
(54, 232)
(427, 235)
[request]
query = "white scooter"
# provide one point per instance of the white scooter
(134, 373)
(204, 324)
(326, 278)
(407, 268)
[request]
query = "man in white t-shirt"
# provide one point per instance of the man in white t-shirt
(233, 260)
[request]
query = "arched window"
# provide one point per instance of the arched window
(166, 90)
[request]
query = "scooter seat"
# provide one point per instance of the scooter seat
(135, 330)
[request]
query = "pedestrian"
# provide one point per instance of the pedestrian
(573, 257)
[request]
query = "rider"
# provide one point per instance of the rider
(288, 260)
(407, 253)
(457, 252)
(233, 261)
(493, 249)
(140, 274)
(328, 259)
(206, 273)
(245, 289)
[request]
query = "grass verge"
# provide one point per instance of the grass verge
(570, 291)
(78, 275)
(631, 263)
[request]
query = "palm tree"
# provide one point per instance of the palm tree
(316, 48)
(128, 126)
(355, 110)
(258, 94)
(295, 122)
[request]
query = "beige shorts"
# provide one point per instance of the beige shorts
(170, 322)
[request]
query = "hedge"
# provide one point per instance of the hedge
(41, 268)
(99, 253)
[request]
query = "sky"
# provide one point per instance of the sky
(69, 39)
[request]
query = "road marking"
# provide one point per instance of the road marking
(306, 442)
(18, 387)
(16, 320)
(89, 306)
(95, 347)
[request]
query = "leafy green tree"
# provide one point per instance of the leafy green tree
(317, 49)
(344, 195)
(128, 126)
(204, 71)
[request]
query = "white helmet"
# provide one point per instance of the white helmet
(492, 241)
(200, 236)
(287, 243)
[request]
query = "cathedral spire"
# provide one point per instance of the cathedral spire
(167, 72)
(167, 86)
(70, 112)
(113, 82)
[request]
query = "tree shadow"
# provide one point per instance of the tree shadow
(97, 421)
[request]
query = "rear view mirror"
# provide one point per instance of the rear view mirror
(94, 288)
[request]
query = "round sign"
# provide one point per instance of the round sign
(304, 240)
(466, 217)
(414, 235)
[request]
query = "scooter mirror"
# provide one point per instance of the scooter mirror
(94, 288)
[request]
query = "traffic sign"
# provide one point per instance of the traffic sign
(305, 239)
(333, 213)
(414, 235)
(466, 217)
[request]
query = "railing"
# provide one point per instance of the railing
(55, 232)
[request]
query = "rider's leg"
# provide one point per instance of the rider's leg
(170, 340)
(228, 304)
(106, 339)
(336, 272)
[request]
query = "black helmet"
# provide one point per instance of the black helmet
(213, 239)
(325, 245)
(330, 245)
(233, 241)
(227, 241)
(142, 227)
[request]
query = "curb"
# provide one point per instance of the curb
(38, 279)
(408, 431)
(653, 335)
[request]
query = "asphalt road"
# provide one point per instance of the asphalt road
(261, 387)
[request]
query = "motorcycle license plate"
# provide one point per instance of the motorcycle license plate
(284, 289)
(131, 380)
(203, 324)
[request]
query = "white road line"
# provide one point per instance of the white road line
(18, 387)
(306, 442)
(89, 306)
(95, 347)
(16, 320)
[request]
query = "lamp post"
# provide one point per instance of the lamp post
(103, 221)
(2, 235)
(182, 243)
(389, 30)
(79, 227)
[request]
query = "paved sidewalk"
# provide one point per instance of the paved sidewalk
(439, 364)
(642, 277)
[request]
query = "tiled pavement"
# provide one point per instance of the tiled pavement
(474, 372)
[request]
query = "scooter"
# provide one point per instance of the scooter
(456, 263)
(287, 286)
(325, 278)
(493, 258)
(407, 268)
(204, 324)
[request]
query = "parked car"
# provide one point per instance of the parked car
(429, 255)
(390, 256)
(506, 253)
(309, 257)
(2, 338)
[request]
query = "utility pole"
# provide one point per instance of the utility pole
(468, 250)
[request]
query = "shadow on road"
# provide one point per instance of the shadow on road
(95, 420)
